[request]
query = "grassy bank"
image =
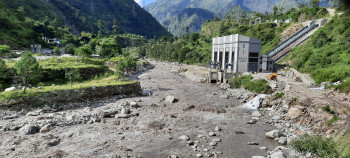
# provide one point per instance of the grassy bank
(109, 81)
(338, 147)
(257, 86)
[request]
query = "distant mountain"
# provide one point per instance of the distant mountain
(237, 12)
(192, 17)
(168, 10)
(82, 15)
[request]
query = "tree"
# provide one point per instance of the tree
(72, 75)
(275, 10)
(115, 27)
(100, 27)
(84, 51)
(315, 3)
(4, 50)
(69, 48)
(56, 51)
(28, 70)
(3, 72)
(107, 50)
(216, 18)
(125, 65)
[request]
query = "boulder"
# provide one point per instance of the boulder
(273, 134)
(216, 140)
(28, 129)
(46, 129)
(294, 113)
(258, 157)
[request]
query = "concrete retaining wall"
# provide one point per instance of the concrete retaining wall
(75, 95)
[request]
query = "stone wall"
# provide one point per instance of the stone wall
(74, 95)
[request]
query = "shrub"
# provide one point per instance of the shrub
(279, 95)
(4, 50)
(322, 147)
(258, 86)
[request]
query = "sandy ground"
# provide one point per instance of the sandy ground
(153, 130)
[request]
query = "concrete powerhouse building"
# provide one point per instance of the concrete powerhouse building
(232, 54)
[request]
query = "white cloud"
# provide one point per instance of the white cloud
(140, 2)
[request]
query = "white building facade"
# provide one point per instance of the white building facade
(242, 52)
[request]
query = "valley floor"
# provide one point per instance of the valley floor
(153, 129)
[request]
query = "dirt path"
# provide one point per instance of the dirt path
(154, 128)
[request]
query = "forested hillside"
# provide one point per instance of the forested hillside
(83, 16)
(191, 18)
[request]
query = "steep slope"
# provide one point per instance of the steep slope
(165, 10)
(83, 15)
(192, 17)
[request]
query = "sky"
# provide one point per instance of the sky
(143, 3)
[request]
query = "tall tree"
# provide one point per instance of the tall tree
(275, 10)
(100, 27)
(28, 70)
(56, 51)
(115, 27)
(3, 72)
(315, 3)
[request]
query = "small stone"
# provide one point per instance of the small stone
(122, 116)
(330, 131)
(170, 99)
(282, 140)
(258, 157)
(216, 140)
(184, 137)
(263, 148)
(294, 113)
(251, 122)
(213, 143)
(256, 114)
(46, 129)
(199, 155)
(173, 156)
(212, 134)
(278, 154)
(125, 111)
(217, 129)
(273, 134)
(134, 104)
(253, 143)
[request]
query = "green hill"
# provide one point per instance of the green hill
(83, 15)
(326, 56)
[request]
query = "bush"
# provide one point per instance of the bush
(322, 147)
(344, 87)
(4, 50)
(279, 95)
(257, 86)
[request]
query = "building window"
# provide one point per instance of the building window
(243, 45)
(215, 56)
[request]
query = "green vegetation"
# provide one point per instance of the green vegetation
(327, 109)
(344, 87)
(337, 147)
(72, 75)
(4, 50)
(28, 69)
(104, 81)
(317, 145)
(279, 95)
(4, 73)
(257, 86)
(326, 56)
(84, 51)
(125, 65)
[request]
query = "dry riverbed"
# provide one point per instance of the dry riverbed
(197, 122)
